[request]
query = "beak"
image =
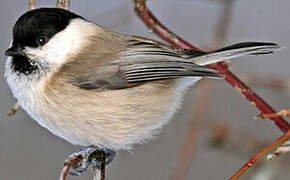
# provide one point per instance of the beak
(14, 51)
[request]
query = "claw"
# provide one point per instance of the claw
(97, 162)
(80, 168)
(109, 156)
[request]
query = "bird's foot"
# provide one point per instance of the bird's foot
(90, 155)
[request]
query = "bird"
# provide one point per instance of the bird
(101, 89)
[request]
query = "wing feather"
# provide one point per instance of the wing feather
(141, 60)
(147, 60)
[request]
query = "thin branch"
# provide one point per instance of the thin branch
(282, 113)
(243, 144)
(64, 4)
(252, 161)
(153, 24)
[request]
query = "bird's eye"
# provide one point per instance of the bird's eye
(41, 40)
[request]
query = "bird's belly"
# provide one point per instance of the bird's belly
(115, 119)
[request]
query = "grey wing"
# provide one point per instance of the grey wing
(148, 60)
(140, 61)
(149, 71)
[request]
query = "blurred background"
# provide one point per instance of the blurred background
(212, 135)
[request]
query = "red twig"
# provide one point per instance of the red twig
(255, 99)
(252, 161)
(153, 24)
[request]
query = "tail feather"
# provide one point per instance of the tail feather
(236, 50)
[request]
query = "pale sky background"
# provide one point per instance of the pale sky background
(28, 151)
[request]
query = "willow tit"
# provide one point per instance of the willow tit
(92, 86)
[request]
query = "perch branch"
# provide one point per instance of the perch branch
(153, 24)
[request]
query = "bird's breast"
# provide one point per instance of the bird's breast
(29, 92)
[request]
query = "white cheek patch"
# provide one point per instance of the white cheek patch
(63, 44)
(54, 51)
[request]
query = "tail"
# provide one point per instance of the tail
(236, 50)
